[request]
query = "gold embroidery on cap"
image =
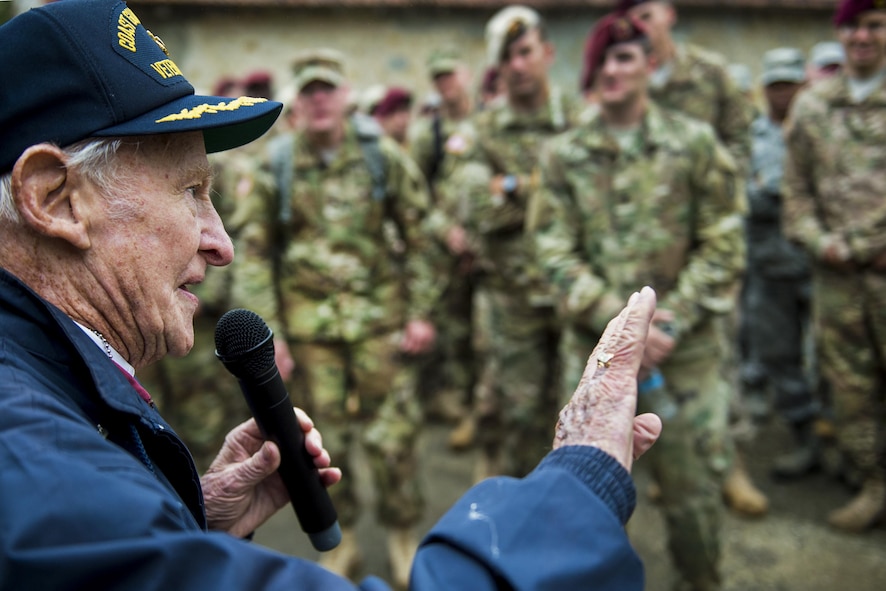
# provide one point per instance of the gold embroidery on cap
(159, 42)
(126, 24)
(167, 69)
(198, 111)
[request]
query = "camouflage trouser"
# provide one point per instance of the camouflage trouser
(364, 392)
(515, 396)
(197, 396)
(776, 322)
(452, 367)
(694, 453)
(850, 320)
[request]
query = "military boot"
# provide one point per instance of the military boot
(741, 494)
(462, 436)
(402, 546)
(862, 512)
(345, 558)
(804, 458)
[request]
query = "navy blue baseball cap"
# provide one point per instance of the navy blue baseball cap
(75, 69)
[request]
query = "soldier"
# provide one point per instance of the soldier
(394, 114)
(451, 78)
(448, 374)
(514, 315)
(695, 81)
(835, 180)
(777, 293)
(333, 245)
(640, 195)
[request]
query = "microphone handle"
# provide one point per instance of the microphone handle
(269, 402)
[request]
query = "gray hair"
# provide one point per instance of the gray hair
(96, 159)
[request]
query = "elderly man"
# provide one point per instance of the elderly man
(105, 222)
(636, 195)
(835, 180)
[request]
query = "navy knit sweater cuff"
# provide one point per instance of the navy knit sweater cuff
(600, 472)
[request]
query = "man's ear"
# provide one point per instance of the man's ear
(48, 196)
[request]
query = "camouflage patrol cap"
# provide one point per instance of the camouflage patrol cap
(849, 10)
(368, 100)
(613, 29)
(506, 26)
(443, 61)
(325, 65)
(827, 53)
(784, 64)
(740, 74)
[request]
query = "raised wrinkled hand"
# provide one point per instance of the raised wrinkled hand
(242, 489)
(602, 410)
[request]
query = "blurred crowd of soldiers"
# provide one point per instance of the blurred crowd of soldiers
(456, 261)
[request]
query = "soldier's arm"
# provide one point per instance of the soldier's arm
(707, 283)
(734, 124)
(800, 193)
(584, 298)
(253, 228)
(409, 206)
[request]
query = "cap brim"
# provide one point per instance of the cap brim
(225, 122)
(783, 75)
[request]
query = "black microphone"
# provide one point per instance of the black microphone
(245, 345)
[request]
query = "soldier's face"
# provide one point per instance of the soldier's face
(524, 69)
(452, 85)
(780, 94)
(623, 77)
(659, 18)
(864, 42)
(322, 106)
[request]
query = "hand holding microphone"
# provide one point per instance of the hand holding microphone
(244, 344)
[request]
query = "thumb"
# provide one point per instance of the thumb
(647, 429)
(261, 464)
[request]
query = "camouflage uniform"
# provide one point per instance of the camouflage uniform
(198, 397)
(450, 372)
(835, 180)
(700, 86)
(661, 210)
(349, 281)
(777, 288)
(514, 315)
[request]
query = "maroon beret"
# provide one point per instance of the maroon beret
(848, 10)
(395, 99)
(614, 28)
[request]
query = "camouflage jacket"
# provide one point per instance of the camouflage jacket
(664, 213)
(421, 144)
(501, 141)
(700, 86)
(350, 265)
(835, 171)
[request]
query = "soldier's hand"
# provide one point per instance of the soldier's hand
(283, 359)
(418, 337)
(457, 240)
(837, 255)
(601, 412)
(659, 344)
(242, 488)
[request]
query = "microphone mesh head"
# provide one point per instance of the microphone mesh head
(238, 336)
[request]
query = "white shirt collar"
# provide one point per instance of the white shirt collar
(101, 344)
